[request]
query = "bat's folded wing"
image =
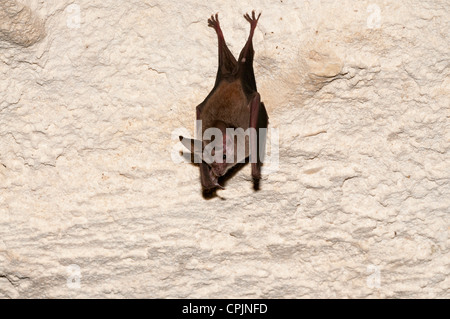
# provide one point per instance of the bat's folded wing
(259, 121)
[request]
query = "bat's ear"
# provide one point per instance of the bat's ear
(194, 146)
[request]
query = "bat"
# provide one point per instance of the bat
(233, 118)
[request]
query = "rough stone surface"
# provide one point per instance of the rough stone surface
(18, 25)
(92, 204)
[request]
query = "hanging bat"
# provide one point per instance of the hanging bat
(231, 108)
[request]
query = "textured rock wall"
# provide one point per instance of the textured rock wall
(92, 204)
(18, 25)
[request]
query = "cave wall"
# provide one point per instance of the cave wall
(96, 202)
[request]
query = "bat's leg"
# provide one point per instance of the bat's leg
(227, 62)
(258, 120)
(247, 51)
(245, 68)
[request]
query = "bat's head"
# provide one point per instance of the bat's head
(220, 155)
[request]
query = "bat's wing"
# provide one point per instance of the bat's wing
(258, 124)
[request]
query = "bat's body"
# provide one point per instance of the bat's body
(233, 103)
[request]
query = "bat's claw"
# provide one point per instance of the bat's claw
(213, 22)
(253, 19)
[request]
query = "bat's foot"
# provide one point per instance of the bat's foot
(253, 20)
(213, 22)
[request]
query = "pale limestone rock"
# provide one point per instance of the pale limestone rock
(18, 24)
(92, 203)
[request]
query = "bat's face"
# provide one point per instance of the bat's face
(223, 157)
(220, 156)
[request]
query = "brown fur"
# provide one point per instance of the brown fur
(228, 104)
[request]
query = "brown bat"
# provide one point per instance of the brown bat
(232, 107)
